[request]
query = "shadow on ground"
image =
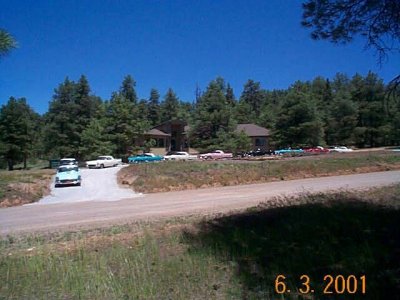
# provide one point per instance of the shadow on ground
(330, 234)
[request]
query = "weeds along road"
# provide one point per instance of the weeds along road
(101, 213)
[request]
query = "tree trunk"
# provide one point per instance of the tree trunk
(10, 164)
(25, 161)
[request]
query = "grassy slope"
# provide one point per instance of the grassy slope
(169, 176)
(228, 257)
(21, 186)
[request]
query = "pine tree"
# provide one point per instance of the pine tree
(170, 106)
(127, 89)
(212, 123)
(373, 120)
(95, 140)
(18, 131)
(299, 122)
(70, 112)
(230, 96)
(253, 96)
(7, 42)
(61, 134)
(153, 108)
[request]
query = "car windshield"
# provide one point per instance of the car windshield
(67, 162)
(65, 169)
(101, 158)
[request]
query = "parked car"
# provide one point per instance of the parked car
(288, 151)
(68, 175)
(68, 161)
(259, 152)
(179, 155)
(145, 157)
(103, 162)
(317, 150)
(340, 149)
(217, 154)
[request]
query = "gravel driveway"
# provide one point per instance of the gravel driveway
(97, 184)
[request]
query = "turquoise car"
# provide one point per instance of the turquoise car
(68, 175)
(288, 151)
(145, 157)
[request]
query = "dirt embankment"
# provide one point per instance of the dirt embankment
(23, 187)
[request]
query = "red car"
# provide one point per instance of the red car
(316, 150)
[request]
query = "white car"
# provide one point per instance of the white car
(179, 155)
(103, 162)
(340, 149)
(68, 161)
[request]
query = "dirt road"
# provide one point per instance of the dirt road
(65, 216)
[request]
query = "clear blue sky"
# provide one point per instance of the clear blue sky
(164, 44)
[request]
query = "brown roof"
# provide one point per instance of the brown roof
(156, 132)
(252, 130)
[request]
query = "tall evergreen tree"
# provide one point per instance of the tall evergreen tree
(18, 131)
(127, 89)
(212, 120)
(86, 104)
(96, 140)
(70, 112)
(230, 96)
(369, 94)
(170, 106)
(153, 108)
(253, 96)
(61, 135)
(123, 123)
(299, 122)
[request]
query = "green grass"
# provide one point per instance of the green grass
(168, 176)
(235, 256)
(145, 267)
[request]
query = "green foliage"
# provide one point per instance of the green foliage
(127, 89)
(235, 142)
(95, 140)
(70, 112)
(153, 108)
(299, 123)
(18, 131)
(124, 123)
(170, 107)
(340, 21)
(253, 96)
(212, 120)
(7, 42)
(343, 111)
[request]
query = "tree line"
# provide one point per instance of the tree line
(356, 111)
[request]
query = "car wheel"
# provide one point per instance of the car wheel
(101, 166)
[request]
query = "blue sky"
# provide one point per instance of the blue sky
(162, 44)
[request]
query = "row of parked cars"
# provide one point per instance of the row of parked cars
(311, 150)
(219, 154)
(178, 155)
